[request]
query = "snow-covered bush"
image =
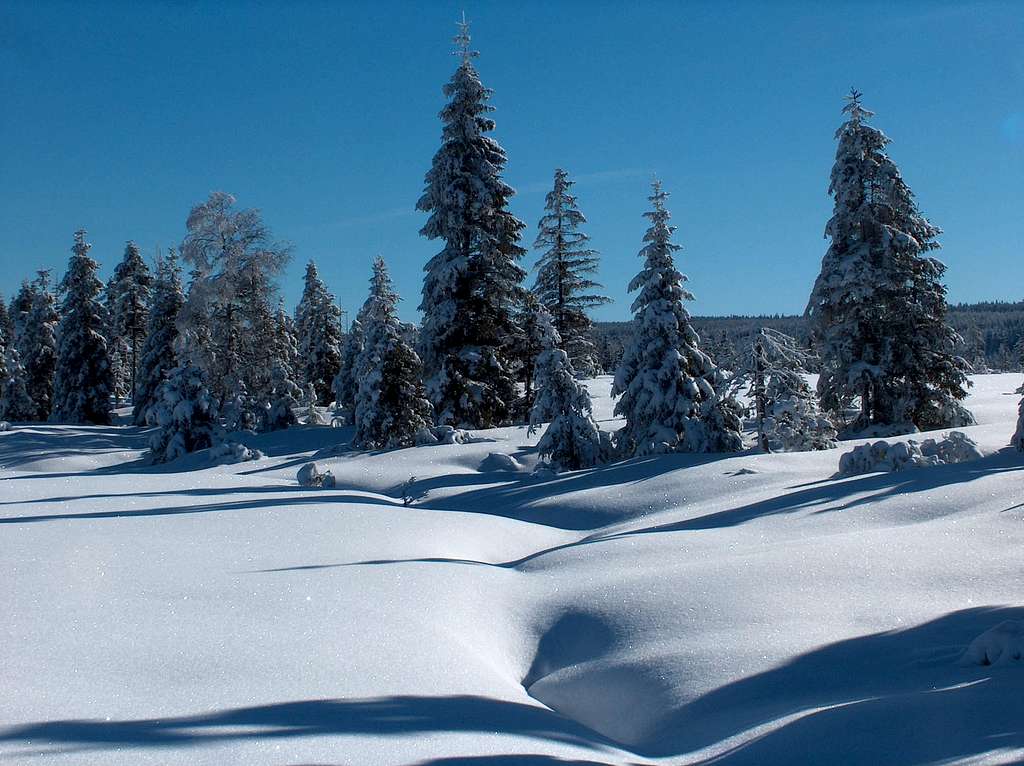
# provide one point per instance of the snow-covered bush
(899, 456)
(1001, 645)
(428, 437)
(4, 425)
(228, 452)
(310, 476)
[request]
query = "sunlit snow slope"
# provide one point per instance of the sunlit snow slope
(749, 609)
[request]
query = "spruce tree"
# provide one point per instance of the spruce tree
(6, 326)
(157, 357)
(572, 439)
(472, 285)
(21, 306)
(82, 381)
(878, 307)
(664, 380)
(346, 382)
(391, 404)
(1018, 435)
(527, 345)
(318, 326)
(117, 348)
(564, 284)
(15, 402)
(129, 311)
(184, 411)
(283, 398)
(37, 345)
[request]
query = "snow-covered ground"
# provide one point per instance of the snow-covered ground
(750, 609)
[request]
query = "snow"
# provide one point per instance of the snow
(1001, 645)
(957, 447)
(670, 609)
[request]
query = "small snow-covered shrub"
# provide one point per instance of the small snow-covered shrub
(309, 476)
(499, 461)
(899, 456)
(228, 452)
(4, 425)
(1001, 645)
(1018, 435)
(428, 437)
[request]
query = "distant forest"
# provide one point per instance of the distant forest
(992, 335)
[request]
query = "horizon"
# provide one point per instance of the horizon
(170, 104)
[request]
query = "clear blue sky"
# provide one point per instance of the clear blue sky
(118, 117)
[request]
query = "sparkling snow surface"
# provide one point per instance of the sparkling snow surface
(750, 609)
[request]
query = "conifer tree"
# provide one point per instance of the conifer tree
(346, 383)
(528, 343)
(284, 398)
(664, 381)
(157, 356)
(472, 285)
(184, 411)
(1018, 435)
(131, 287)
(572, 439)
(878, 307)
(564, 284)
(15, 402)
(318, 326)
(6, 326)
(21, 306)
(391, 404)
(117, 348)
(82, 381)
(37, 345)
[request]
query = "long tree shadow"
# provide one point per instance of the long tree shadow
(904, 692)
(379, 717)
(320, 497)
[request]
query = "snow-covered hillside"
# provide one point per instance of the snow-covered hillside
(749, 609)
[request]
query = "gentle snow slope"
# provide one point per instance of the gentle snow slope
(750, 609)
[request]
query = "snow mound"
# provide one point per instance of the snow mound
(310, 476)
(899, 456)
(428, 437)
(4, 425)
(499, 461)
(230, 452)
(1001, 645)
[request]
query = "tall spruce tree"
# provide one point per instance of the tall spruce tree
(318, 326)
(391, 404)
(37, 344)
(82, 381)
(878, 307)
(472, 285)
(129, 304)
(346, 382)
(157, 357)
(664, 382)
(564, 284)
(21, 305)
(117, 348)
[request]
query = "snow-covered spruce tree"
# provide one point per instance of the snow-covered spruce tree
(15, 402)
(572, 439)
(318, 326)
(346, 383)
(527, 344)
(313, 416)
(391, 404)
(471, 286)
(157, 355)
(117, 348)
(564, 284)
(37, 344)
(82, 380)
(235, 262)
(6, 326)
(878, 307)
(21, 306)
(129, 305)
(788, 416)
(284, 398)
(663, 382)
(185, 412)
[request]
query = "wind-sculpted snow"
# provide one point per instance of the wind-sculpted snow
(676, 609)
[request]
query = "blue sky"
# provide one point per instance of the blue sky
(118, 117)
